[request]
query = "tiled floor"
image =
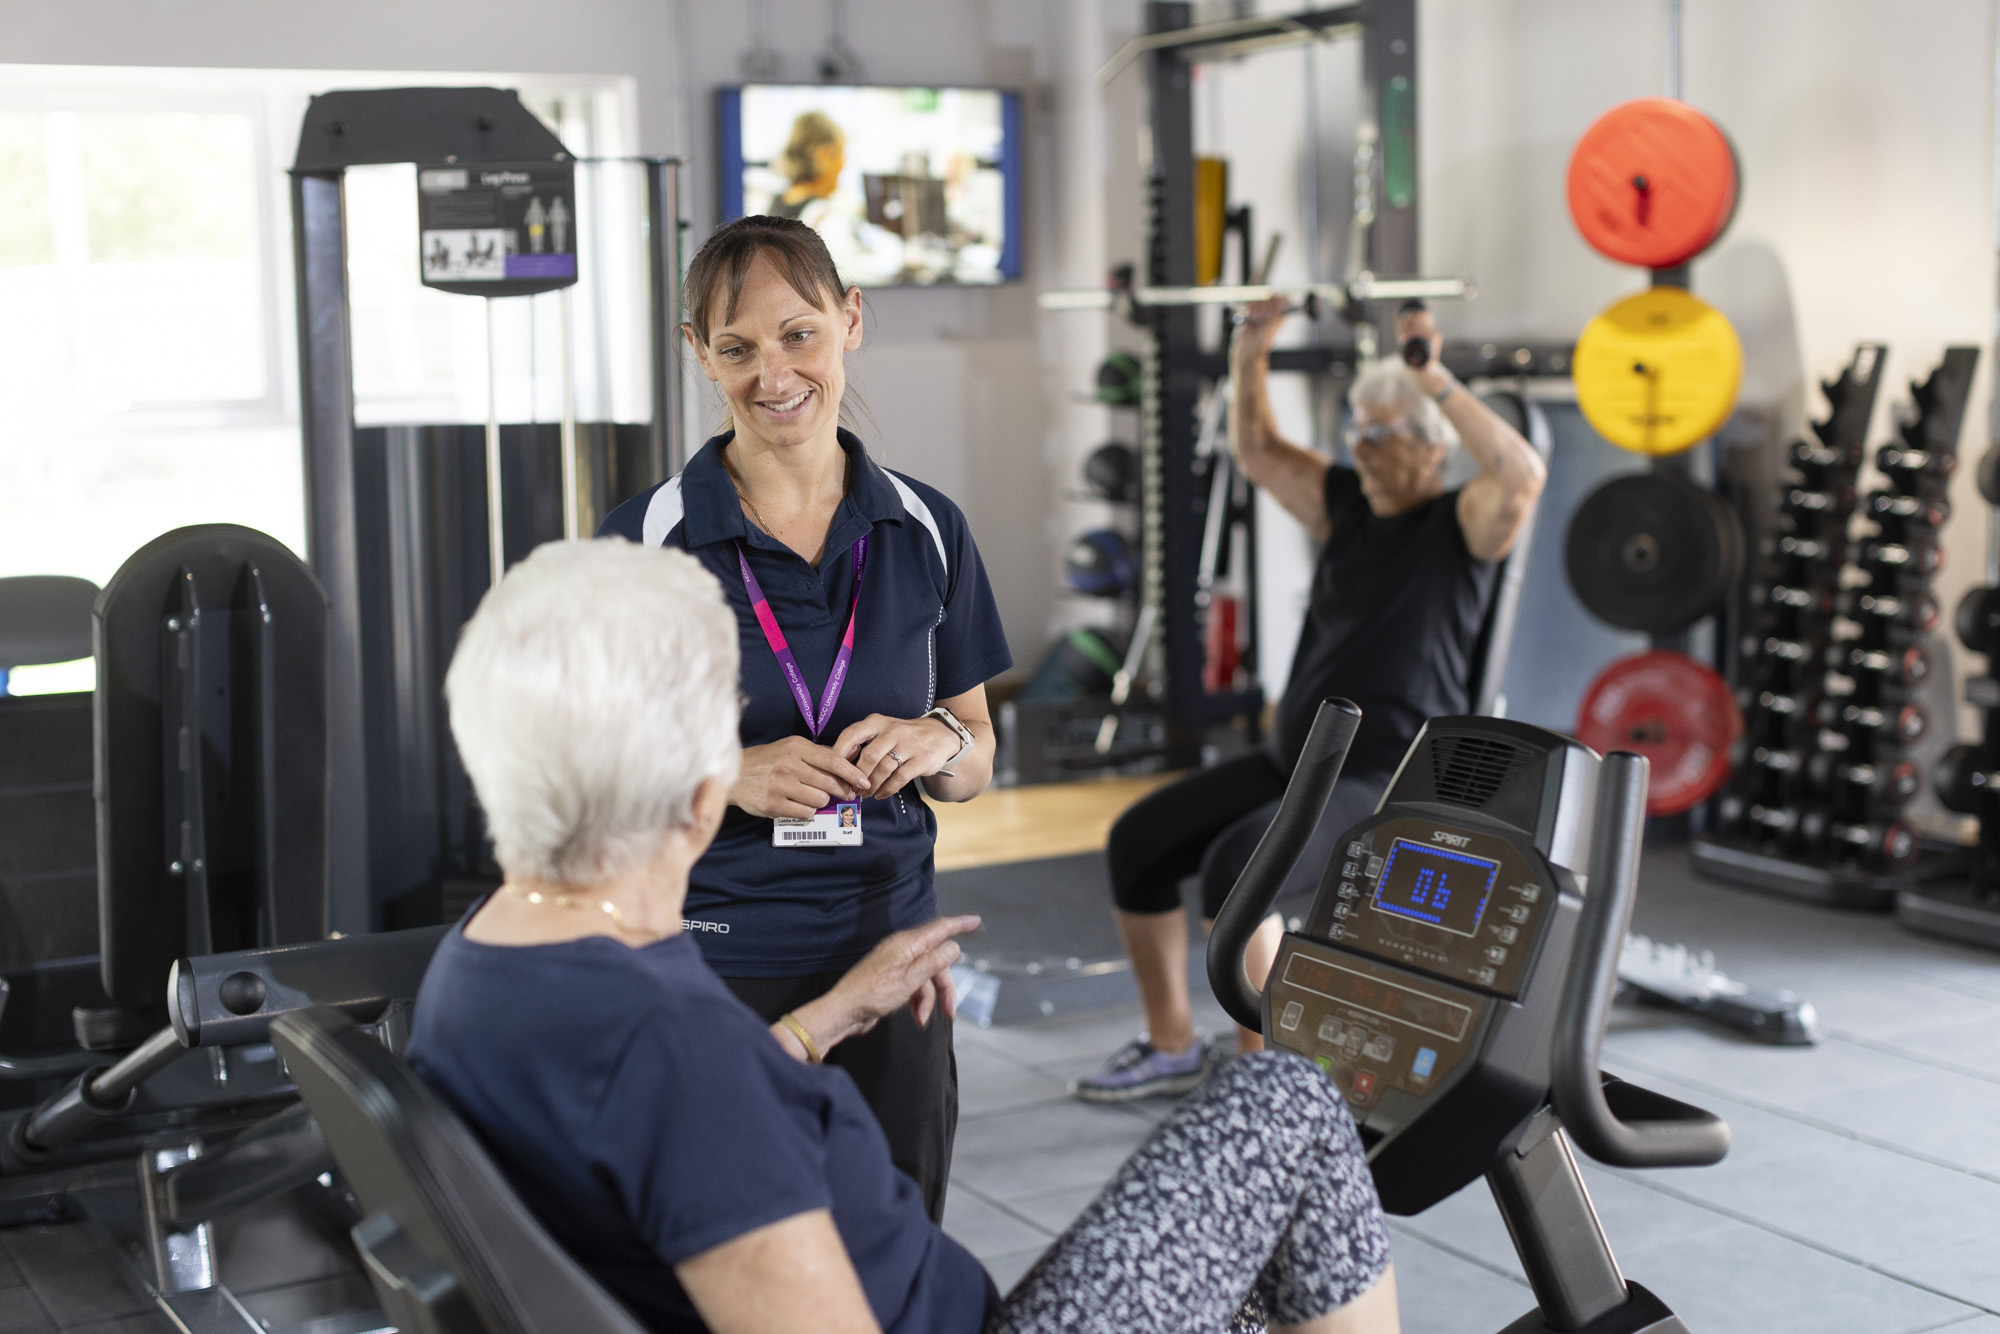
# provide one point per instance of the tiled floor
(1862, 1194)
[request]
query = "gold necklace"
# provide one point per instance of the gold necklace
(605, 906)
(753, 508)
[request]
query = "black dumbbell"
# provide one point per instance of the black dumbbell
(1901, 507)
(1919, 611)
(1781, 763)
(1779, 822)
(1780, 648)
(1817, 600)
(1804, 547)
(1816, 459)
(1914, 471)
(1882, 785)
(1731, 809)
(1898, 462)
(1977, 620)
(1910, 665)
(1925, 558)
(1897, 721)
(1817, 500)
(1783, 704)
(1887, 843)
(1897, 581)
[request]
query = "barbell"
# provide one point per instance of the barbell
(1365, 287)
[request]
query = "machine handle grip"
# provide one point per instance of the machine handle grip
(1677, 1135)
(1251, 898)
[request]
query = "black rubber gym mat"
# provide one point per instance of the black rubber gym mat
(1058, 906)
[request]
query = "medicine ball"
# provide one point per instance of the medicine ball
(1080, 665)
(1118, 379)
(1112, 472)
(1099, 563)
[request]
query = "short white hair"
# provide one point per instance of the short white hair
(591, 694)
(1388, 386)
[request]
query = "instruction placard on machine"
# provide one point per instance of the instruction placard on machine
(497, 228)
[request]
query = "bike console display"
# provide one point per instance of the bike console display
(1427, 974)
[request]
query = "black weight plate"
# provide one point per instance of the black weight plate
(1652, 553)
(1978, 620)
(1953, 779)
(1989, 475)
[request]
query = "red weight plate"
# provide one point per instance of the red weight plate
(1677, 713)
(1652, 183)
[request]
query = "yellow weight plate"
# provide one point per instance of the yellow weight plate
(1658, 372)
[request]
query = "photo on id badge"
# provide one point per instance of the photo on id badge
(835, 826)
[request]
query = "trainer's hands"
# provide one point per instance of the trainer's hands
(889, 752)
(910, 968)
(794, 777)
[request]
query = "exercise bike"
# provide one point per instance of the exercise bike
(1453, 978)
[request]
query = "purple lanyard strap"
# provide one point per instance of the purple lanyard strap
(782, 651)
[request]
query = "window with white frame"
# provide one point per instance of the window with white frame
(147, 355)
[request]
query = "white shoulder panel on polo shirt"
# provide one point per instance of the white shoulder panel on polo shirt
(663, 513)
(918, 510)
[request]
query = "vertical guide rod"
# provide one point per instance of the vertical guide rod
(1673, 70)
(571, 520)
(326, 421)
(496, 532)
(663, 289)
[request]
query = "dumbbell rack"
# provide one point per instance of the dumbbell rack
(1830, 671)
(1968, 777)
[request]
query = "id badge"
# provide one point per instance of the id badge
(835, 826)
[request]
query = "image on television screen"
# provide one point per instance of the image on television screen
(905, 185)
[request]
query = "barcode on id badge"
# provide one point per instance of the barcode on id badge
(801, 835)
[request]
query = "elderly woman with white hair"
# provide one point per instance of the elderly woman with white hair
(700, 1165)
(1406, 570)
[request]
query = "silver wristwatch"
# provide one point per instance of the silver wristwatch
(965, 738)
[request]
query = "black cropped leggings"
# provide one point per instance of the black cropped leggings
(1209, 822)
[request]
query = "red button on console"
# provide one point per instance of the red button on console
(1364, 1085)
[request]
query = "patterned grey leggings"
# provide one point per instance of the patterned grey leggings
(1251, 1202)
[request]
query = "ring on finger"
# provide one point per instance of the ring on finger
(897, 757)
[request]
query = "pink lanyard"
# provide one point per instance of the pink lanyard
(782, 651)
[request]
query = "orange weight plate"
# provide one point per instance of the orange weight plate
(1652, 183)
(1677, 713)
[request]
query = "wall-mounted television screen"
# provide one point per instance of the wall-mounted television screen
(908, 186)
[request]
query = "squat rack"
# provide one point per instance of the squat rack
(1174, 495)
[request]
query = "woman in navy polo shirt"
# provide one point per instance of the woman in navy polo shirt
(868, 633)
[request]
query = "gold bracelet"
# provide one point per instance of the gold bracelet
(791, 1021)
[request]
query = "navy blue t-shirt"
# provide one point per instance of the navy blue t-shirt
(646, 1115)
(927, 629)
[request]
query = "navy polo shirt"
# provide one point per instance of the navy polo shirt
(652, 1119)
(927, 630)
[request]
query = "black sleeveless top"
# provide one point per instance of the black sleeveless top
(1392, 624)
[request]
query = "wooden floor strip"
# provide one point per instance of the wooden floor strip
(1018, 824)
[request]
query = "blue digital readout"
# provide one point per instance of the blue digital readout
(1433, 885)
